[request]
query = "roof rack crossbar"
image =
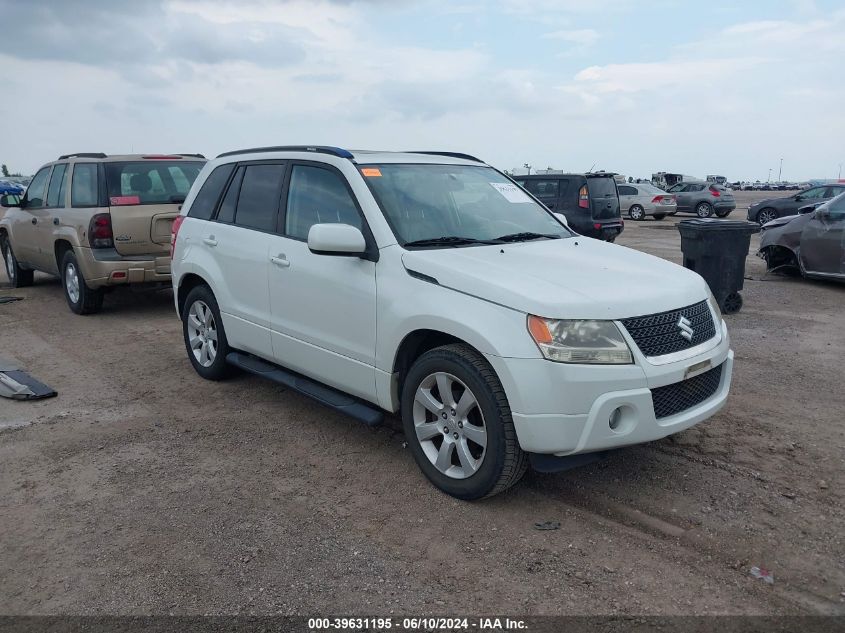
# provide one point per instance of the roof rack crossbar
(450, 155)
(83, 155)
(320, 149)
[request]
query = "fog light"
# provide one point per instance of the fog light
(615, 419)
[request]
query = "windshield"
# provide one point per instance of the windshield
(477, 204)
(150, 181)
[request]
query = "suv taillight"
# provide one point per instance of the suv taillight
(100, 233)
(584, 198)
(715, 192)
(174, 232)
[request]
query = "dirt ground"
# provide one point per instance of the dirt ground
(142, 489)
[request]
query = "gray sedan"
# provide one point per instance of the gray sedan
(640, 200)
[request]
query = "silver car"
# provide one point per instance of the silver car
(641, 199)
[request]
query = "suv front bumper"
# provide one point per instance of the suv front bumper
(546, 398)
(106, 267)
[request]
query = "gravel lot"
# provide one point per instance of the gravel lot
(143, 489)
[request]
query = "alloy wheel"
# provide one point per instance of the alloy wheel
(10, 264)
(202, 333)
(449, 425)
(72, 282)
(766, 215)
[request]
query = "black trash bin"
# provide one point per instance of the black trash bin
(716, 250)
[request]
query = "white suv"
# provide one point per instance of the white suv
(430, 285)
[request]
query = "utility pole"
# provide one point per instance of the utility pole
(770, 176)
(780, 171)
(528, 167)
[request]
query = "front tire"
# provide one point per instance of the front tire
(205, 339)
(659, 217)
(80, 298)
(458, 424)
(704, 210)
(723, 214)
(766, 215)
(18, 277)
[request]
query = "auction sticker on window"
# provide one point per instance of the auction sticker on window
(512, 193)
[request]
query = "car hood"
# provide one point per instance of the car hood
(576, 278)
(771, 202)
(779, 221)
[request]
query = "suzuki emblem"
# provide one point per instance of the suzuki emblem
(684, 326)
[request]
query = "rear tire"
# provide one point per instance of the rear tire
(636, 212)
(704, 210)
(18, 277)
(724, 213)
(478, 455)
(659, 217)
(80, 298)
(205, 338)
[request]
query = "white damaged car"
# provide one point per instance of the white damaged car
(429, 285)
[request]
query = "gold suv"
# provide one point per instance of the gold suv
(96, 221)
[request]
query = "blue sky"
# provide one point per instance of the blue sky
(630, 86)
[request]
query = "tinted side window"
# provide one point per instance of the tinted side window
(206, 200)
(625, 190)
(547, 188)
(317, 196)
(258, 203)
(83, 186)
(230, 201)
(36, 191)
(56, 192)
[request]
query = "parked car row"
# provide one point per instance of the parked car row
(767, 186)
(428, 285)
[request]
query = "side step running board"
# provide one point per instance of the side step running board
(323, 394)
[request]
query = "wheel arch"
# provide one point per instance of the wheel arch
(413, 345)
(188, 282)
(60, 247)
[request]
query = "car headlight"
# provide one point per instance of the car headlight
(714, 305)
(589, 342)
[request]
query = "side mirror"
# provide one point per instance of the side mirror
(806, 209)
(336, 239)
(10, 200)
(563, 219)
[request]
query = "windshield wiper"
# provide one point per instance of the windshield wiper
(450, 240)
(525, 236)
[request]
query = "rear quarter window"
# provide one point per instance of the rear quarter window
(206, 200)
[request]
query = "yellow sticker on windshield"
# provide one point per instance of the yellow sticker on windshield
(371, 172)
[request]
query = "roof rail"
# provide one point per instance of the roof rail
(451, 155)
(83, 155)
(320, 149)
(192, 155)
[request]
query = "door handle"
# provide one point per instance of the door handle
(56, 221)
(209, 240)
(281, 261)
(35, 220)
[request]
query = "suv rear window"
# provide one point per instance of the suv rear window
(602, 187)
(150, 181)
